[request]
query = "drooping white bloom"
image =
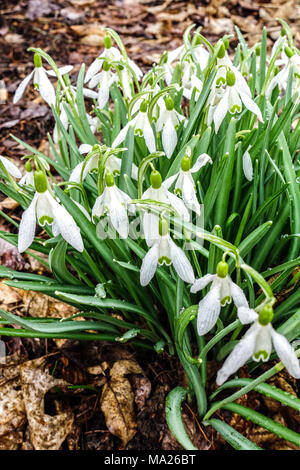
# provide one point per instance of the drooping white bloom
(257, 343)
(190, 81)
(222, 290)
(247, 165)
(114, 203)
(109, 54)
(103, 80)
(159, 193)
(281, 79)
(10, 167)
(28, 178)
(165, 251)
(185, 185)
(167, 123)
(44, 209)
(41, 81)
(142, 127)
(113, 165)
(229, 97)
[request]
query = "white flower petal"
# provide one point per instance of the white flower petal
(247, 166)
(246, 315)
(149, 265)
(22, 87)
(118, 214)
(221, 111)
(27, 226)
(209, 310)
(201, 161)
(251, 105)
(263, 343)
(169, 138)
(89, 93)
(238, 295)
(202, 282)
(62, 70)
(239, 356)
(169, 181)
(94, 68)
(66, 225)
(98, 207)
(122, 134)
(12, 169)
(149, 135)
(179, 206)
(46, 89)
(85, 148)
(181, 263)
(286, 354)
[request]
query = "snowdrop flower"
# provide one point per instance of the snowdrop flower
(141, 125)
(165, 251)
(247, 165)
(158, 192)
(114, 203)
(10, 167)
(167, 123)
(41, 81)
(185, 185)
(44, 209)
(110, 54)
(113, 165)
(104, 81)
(222, 290)
(281, 79)
(28, 178)
(223, 58)
(257, 343)
(190, 81)
(199, 52)
(236, 91)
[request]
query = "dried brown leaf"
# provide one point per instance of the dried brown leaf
(46, 432)
(117, 400)
(8, 295)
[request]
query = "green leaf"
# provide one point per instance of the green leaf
(174, 402)
(264, 422)
(232, 436)
(269, 391)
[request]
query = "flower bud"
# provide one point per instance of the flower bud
(169, 103)
(28, 167)
(109, 179)
(185, 163)
(163, 227)
(226, 43)
(107, 41)
(230, 78)
(222, 269)
(221, 53)
(198, 40)
(288, 52)
(257, 51)
(283, 32)
(37, 60)
(40, 181)
(144, 106)
(266, 315)
(155, 179)
(106, 66)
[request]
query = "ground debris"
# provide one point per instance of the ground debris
(117, 400)
(24, 422)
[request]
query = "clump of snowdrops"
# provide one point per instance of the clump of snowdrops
(177, 208)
